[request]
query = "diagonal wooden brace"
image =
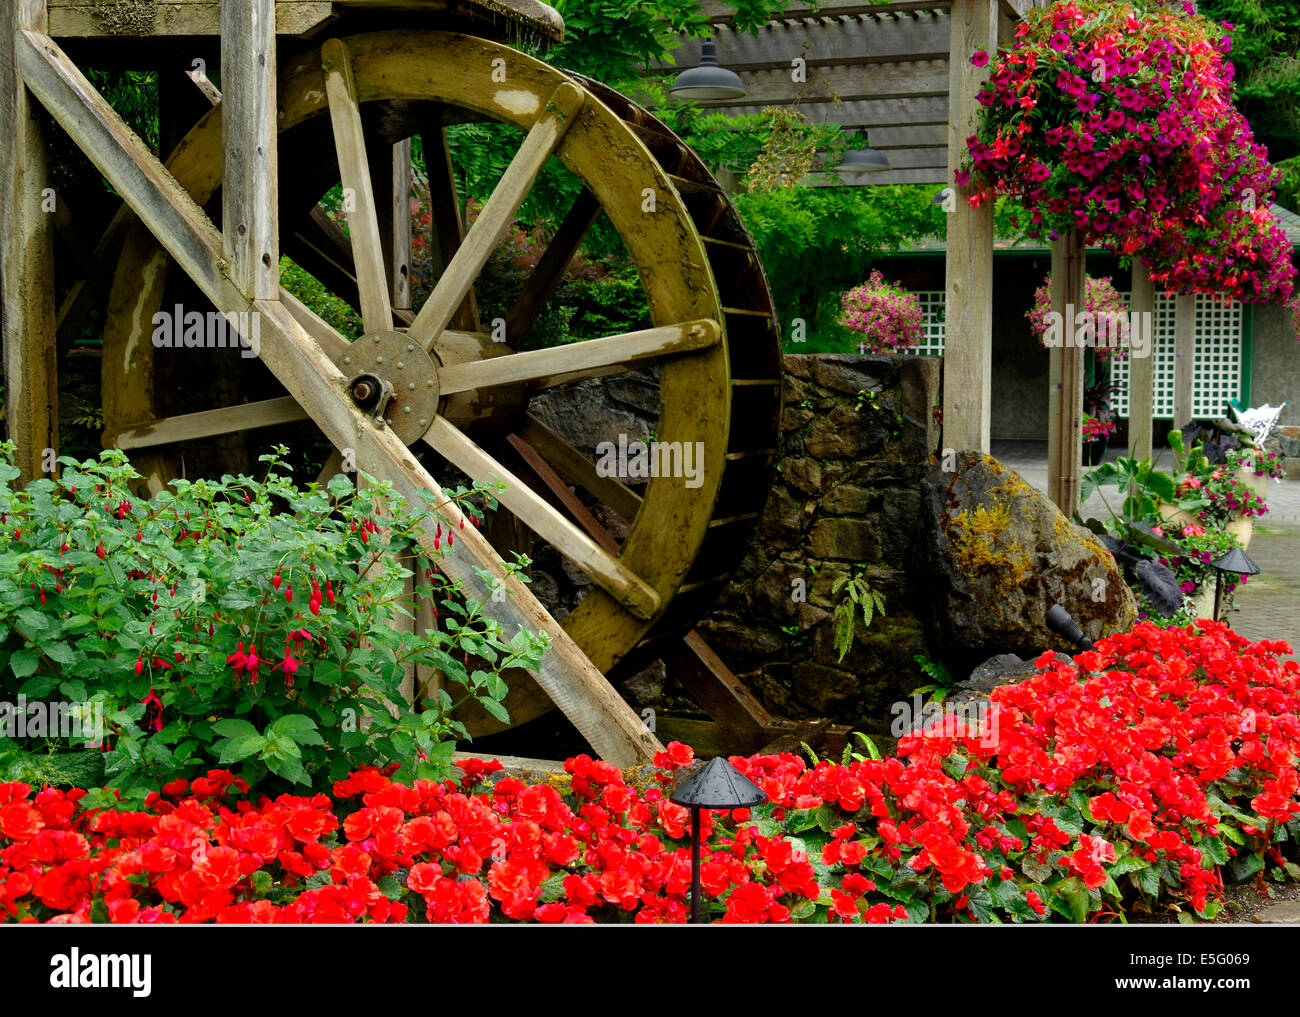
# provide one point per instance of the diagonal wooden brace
(615, 732)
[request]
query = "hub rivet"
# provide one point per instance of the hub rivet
(406, 409)
(410, 349)
(379, 360)
(400, 365)
(410, 385)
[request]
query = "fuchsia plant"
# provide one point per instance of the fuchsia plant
(1115, 119)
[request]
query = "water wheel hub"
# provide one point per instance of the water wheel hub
(394, 379)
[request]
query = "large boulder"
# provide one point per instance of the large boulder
(1000, 555)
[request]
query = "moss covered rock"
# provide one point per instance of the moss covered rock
(1001, 554)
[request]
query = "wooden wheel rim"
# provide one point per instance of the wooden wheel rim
(617, 168)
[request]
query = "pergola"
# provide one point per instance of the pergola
(902, 73)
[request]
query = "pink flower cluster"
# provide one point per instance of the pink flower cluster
(1116, 120)
(1100, 299)
(889, 318)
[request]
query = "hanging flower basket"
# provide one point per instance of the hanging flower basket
(1115, 119)
(1102, 301)
(886, 317)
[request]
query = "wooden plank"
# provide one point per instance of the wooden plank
(153, 194)
(574, 358)
(363, 218)
(605, 570)
(208, 423)
(249, 188)
(27, 258)
(722, 14)
(498, 211)
(1065, 369)
(575, 468)
(556, 485)
(858, 82)
(83, 19)
(565, 674)
(968, 356)
(537, 16)
(447, 216)
(707, 737)
(550, 268)
(1141, 378)
(819, 42)
(1184, 357)
(400, 259)
(523, 767)
(873, 114)
(709, 681)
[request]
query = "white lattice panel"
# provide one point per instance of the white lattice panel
(933, 304)
(1216, 364)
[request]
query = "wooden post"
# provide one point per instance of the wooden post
(1184, 353)
(968, 357)
(1065, 397)
(27, 262)
(1141, 371)
(401, 241)
(249, 191)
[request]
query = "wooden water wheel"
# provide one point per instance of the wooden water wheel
(434, 381)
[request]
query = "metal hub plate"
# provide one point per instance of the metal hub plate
(402, 362)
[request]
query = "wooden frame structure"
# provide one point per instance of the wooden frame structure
(715, 341)
(901, 71)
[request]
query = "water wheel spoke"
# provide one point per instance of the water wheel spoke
(577, 360)
(447, 218)
(605, 570)
(560, 491)
(577, 469)
(542, 139)
(358, 190)
(314, 325)
(541, 283)
(209, 423)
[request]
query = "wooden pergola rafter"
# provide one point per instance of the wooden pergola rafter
(902, 72)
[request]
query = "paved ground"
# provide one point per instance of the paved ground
(1269, 605)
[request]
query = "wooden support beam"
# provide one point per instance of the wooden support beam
(111, 19)
(400, 260)
(1141, 376)
(446, 214)
(308, 374)
(1065, 395)
(543, 138)
(27, 261)
(709, 681)
(550, 269)
(358, 189)
(968, 356)
(153, 194)
(1184, 357)
(249, 188)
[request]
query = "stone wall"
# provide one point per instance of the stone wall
(858, 433)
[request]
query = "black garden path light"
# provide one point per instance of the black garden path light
(1235, 561)
(1063, 624)
(708, 82)
(716, 785)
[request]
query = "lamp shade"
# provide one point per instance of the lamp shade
(862, 159)
(708, 81)
(718, 785)
(1237, 561)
